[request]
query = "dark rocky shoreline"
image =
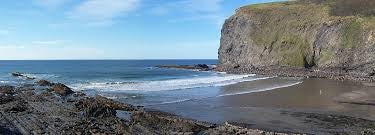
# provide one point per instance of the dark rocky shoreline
(52, 108)
(286, 71)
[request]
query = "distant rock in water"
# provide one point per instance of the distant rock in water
(201, 67)
(18, 74)
(320, 34)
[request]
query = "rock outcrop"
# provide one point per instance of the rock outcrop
(62, 89)
(44, 83)
(311, 34)
(6, 89)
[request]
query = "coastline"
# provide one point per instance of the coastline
(309, 107)
(45, 108)
(283, 71)
(336, 74)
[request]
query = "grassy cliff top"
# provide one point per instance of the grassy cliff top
(363, 8)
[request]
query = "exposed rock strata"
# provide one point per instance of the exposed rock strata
(300, 34)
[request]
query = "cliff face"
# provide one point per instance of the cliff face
(319, 34)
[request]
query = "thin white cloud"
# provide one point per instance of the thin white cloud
(103, 10)
(43, 53)
(159, 10)
(48, 42)
(45, 42)
(11, 47)
(4, 32)
(100, 23)
(195, 18)
(190, 6)
(191, 10)
(51, 4)
(203, 5)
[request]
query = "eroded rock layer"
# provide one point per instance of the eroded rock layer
(321, 34)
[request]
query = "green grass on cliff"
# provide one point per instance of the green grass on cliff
(369, 20)
(352, 7)
(284, 27)
(352, 34)
(293, 49)
(326, 56)
(279, 29)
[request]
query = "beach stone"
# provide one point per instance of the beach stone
(5, 98)
(7, 89)
(62, 89)
(16, 107)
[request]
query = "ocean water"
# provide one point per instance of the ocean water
(137, 81)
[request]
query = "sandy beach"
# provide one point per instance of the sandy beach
(300, 108)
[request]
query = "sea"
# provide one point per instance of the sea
(138, 82)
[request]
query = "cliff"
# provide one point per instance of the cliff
(311, 34)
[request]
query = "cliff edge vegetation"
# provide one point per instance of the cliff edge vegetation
(324, 34)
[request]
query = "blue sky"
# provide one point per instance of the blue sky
(113, 29)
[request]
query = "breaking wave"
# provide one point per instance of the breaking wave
(40, 75)
(262, 89)
(235, 93)
(174, 84)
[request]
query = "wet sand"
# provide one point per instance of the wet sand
(290, 109)
(312, 94)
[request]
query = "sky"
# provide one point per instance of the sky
(113, 29)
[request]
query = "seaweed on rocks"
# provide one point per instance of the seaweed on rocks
(94, 108)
